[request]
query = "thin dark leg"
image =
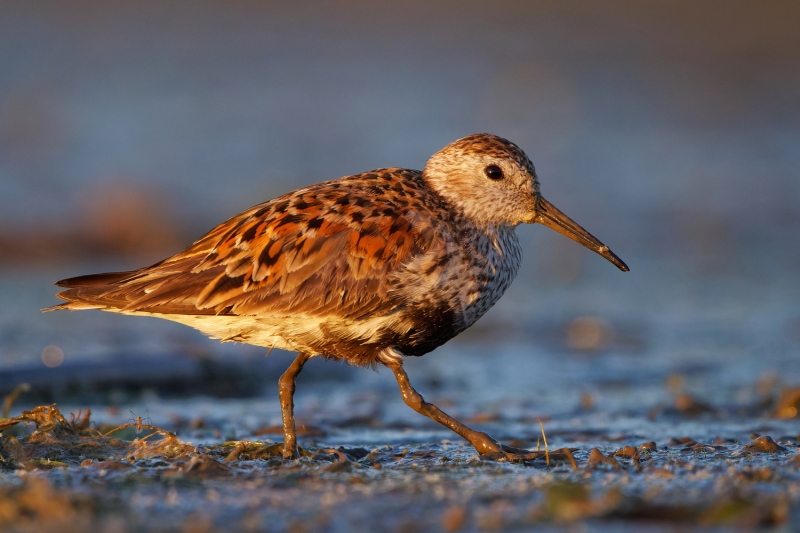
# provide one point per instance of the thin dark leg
(286, 392)
(483, 443)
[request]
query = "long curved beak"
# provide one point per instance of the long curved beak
(547, 214)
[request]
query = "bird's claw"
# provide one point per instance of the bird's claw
(512, 455)
(490, 449)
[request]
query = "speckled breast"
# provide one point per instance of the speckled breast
(482, 264)
(495, 256)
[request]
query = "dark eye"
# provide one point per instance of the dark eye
(493, 172)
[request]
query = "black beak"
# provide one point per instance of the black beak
(551, 217)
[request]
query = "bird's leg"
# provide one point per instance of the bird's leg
(286, 393)
(483, 443)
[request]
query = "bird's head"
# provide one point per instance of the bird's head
(492, 182)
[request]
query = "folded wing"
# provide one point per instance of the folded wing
(332, 249)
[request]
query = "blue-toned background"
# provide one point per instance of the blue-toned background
(671, 130)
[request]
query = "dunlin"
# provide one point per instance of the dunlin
(369, 269)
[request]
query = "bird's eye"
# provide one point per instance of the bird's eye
(493, 172)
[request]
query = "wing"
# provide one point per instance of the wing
(332, 249)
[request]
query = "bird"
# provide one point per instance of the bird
(369, 269)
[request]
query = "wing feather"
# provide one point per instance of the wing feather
(334, 248)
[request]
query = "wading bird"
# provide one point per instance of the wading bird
(369, 269)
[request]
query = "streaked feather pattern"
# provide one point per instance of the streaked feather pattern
(366, 268)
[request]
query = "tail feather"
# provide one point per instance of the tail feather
(90, 291)
(72, 306)
(130, 292)
(83, 297)
(93, 280)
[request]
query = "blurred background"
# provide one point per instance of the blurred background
(671, 130)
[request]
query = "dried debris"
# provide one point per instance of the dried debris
(597, 458)
(765, 444)
(57, 442)
(101, 480)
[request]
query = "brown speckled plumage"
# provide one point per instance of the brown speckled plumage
(366, 268)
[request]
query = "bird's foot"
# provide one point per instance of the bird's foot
(490, 449)
(512, 455)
